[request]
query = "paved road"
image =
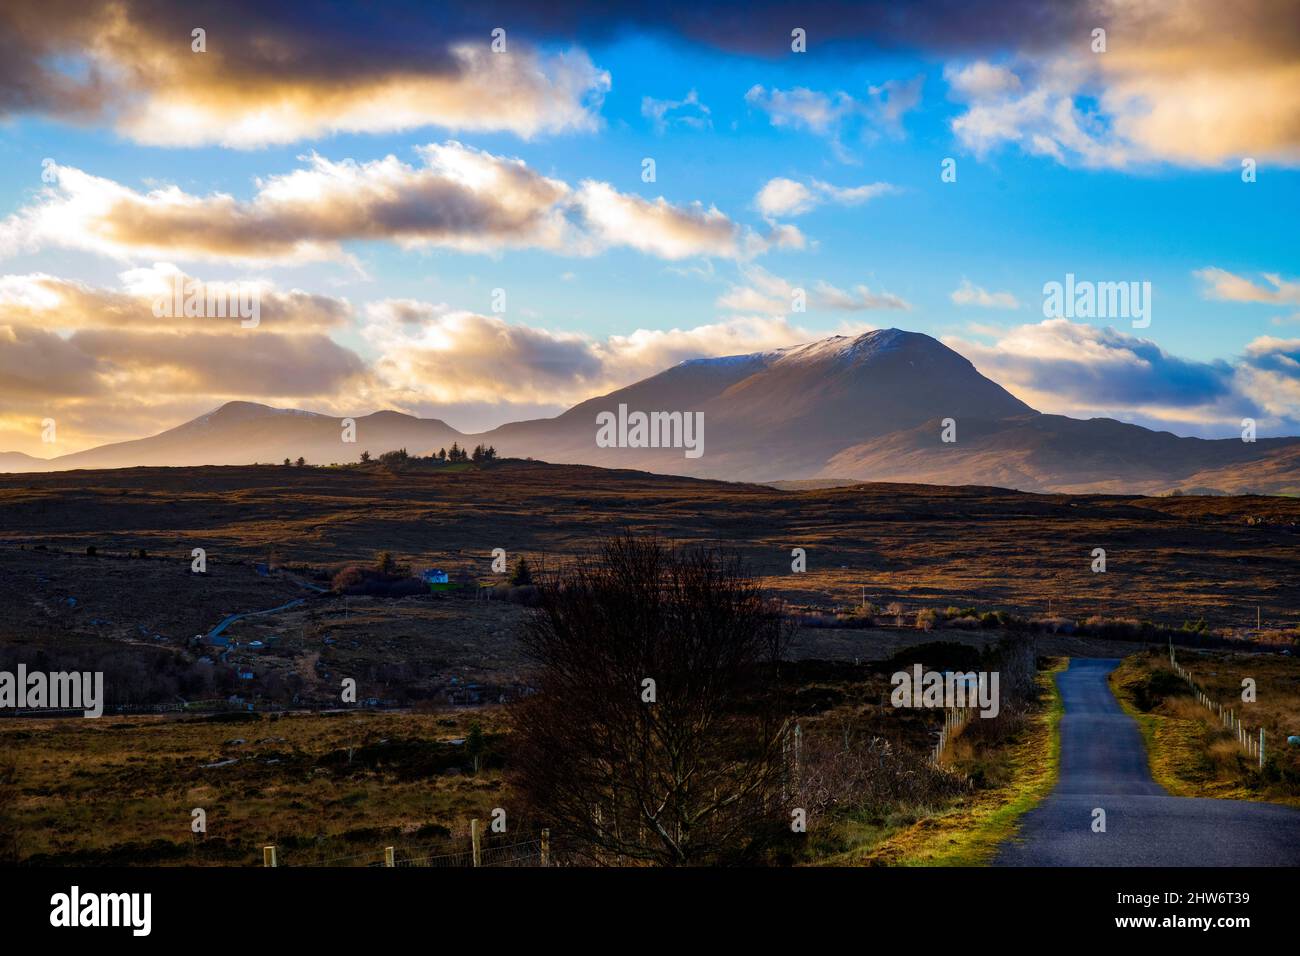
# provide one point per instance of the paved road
(231, 619)
(1104, 764)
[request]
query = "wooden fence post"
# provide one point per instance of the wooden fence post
(1261, 748)
(474, 841)
(546, 847)
(268, 856)
(388, 857)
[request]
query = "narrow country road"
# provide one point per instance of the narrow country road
(1104, 765)
(232, 618)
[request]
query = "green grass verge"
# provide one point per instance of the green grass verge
(970, 832)
(1180, 742)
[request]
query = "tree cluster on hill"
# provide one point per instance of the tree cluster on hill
(481, 453)
(455, 455)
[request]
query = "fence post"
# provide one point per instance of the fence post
(268, 856)
(1261, 748)
(473, 836)
(546, 847)
(388, 856)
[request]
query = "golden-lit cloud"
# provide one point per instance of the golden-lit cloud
(106, 367)
(104, 364)
(270, 73)
(437, 354)
(457, 198)
(148, 301)
(1198, 83)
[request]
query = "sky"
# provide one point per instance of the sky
(488, 212)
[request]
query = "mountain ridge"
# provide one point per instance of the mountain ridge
(870, 407)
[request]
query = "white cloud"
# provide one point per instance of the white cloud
(970, 294)
(1069, 368)
(689, 112)
(802, 108)
(787, 197)
(833, 114)
(772, 295)
(857, 299)
(1230, 287)
(981, 80)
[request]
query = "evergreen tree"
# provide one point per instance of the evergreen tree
(522, 574)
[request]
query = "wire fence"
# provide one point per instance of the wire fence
(1246, 739)
(481, 849)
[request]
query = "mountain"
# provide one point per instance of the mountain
(865, 408)
(17, 461)
(1038, 452)
(780, 414)
(246, 432)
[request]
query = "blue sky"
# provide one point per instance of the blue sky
(1109, 194)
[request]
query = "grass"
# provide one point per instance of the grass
(970, 832)
(1189, 752)
(118, 791)
(920, 545)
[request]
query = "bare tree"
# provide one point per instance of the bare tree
(655, 733)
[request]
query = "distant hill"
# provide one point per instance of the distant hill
(1038, 452)
(17, 461)
(865, 408)
(240, 433)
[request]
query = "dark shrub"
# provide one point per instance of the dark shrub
(350, 577)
